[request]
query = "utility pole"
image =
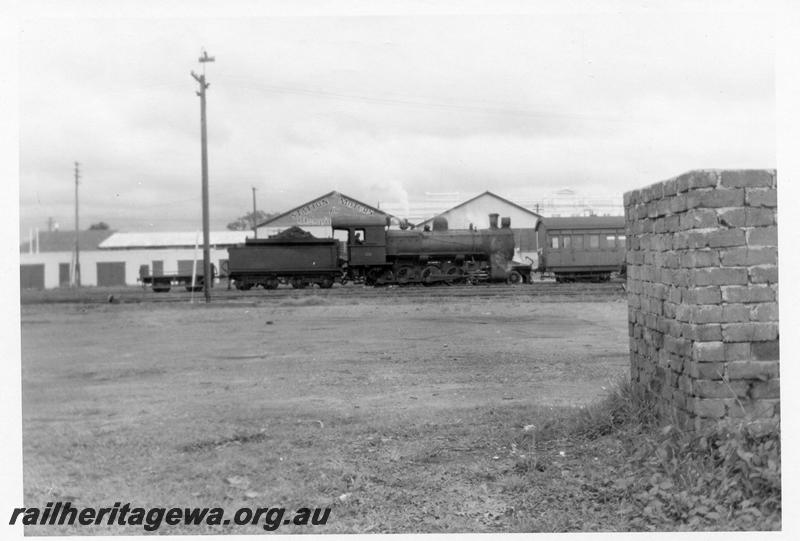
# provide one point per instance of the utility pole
(207, 278)
(77, 272)
(255, 218)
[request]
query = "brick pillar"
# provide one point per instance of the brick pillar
(703, 294)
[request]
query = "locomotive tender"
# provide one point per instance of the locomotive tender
(292, 256)
(376, 255)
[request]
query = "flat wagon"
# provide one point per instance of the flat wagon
(161, 283)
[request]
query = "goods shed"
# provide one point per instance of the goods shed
(315, 215)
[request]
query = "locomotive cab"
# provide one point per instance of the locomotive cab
(366, 239)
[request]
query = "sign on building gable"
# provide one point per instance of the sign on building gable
(319, 211)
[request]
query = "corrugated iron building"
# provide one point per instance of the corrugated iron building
(109, 258)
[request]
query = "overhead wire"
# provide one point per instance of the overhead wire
(418, 103)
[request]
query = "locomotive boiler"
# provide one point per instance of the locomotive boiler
(441, 255)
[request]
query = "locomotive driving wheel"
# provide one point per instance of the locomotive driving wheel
(405, 274)
(372, 277)
(452, 274)
(388, 276)
(429, 275)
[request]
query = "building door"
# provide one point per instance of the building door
(111, 274)
(63, 274)
(185, 267)
(158, 268)
(528, 241)
(31, 276)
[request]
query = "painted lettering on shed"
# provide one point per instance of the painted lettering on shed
(308, 209)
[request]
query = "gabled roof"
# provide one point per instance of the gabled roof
(185, 239)
(585, 222)
(484, 194)
(64, 241)
(332, 203)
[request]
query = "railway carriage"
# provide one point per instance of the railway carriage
(583, 248)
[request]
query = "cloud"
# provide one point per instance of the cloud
(379, 107)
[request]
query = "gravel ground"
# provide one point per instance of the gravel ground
(162, 403)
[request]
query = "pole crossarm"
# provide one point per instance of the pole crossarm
(201, 79)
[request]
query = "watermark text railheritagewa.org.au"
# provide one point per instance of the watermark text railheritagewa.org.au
(152, 518)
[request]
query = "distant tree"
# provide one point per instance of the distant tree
(245, 222)
(101, 226)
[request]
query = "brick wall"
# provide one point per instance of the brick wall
(703, 294)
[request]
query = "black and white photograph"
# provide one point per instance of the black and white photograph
(396, 268)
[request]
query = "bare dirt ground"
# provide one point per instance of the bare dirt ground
(401, 414)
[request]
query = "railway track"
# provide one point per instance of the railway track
(220, 293)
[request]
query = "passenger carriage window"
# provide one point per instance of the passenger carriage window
(594, 241)
(565, 241)
(621, 240)
(577, 242)
(554, 242)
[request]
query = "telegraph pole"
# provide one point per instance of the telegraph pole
(77, 273)
(207, 278)
(255, 218)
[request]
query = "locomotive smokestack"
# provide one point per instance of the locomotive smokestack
(493, 221)
(440, 223)
(505, 222)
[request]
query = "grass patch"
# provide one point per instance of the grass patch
(619, 468)
(606, 467)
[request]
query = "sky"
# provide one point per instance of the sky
(384, 105)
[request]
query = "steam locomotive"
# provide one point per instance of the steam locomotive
(373, 254)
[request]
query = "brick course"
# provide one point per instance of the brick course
(702, 294)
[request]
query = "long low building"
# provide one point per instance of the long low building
(109, 258)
